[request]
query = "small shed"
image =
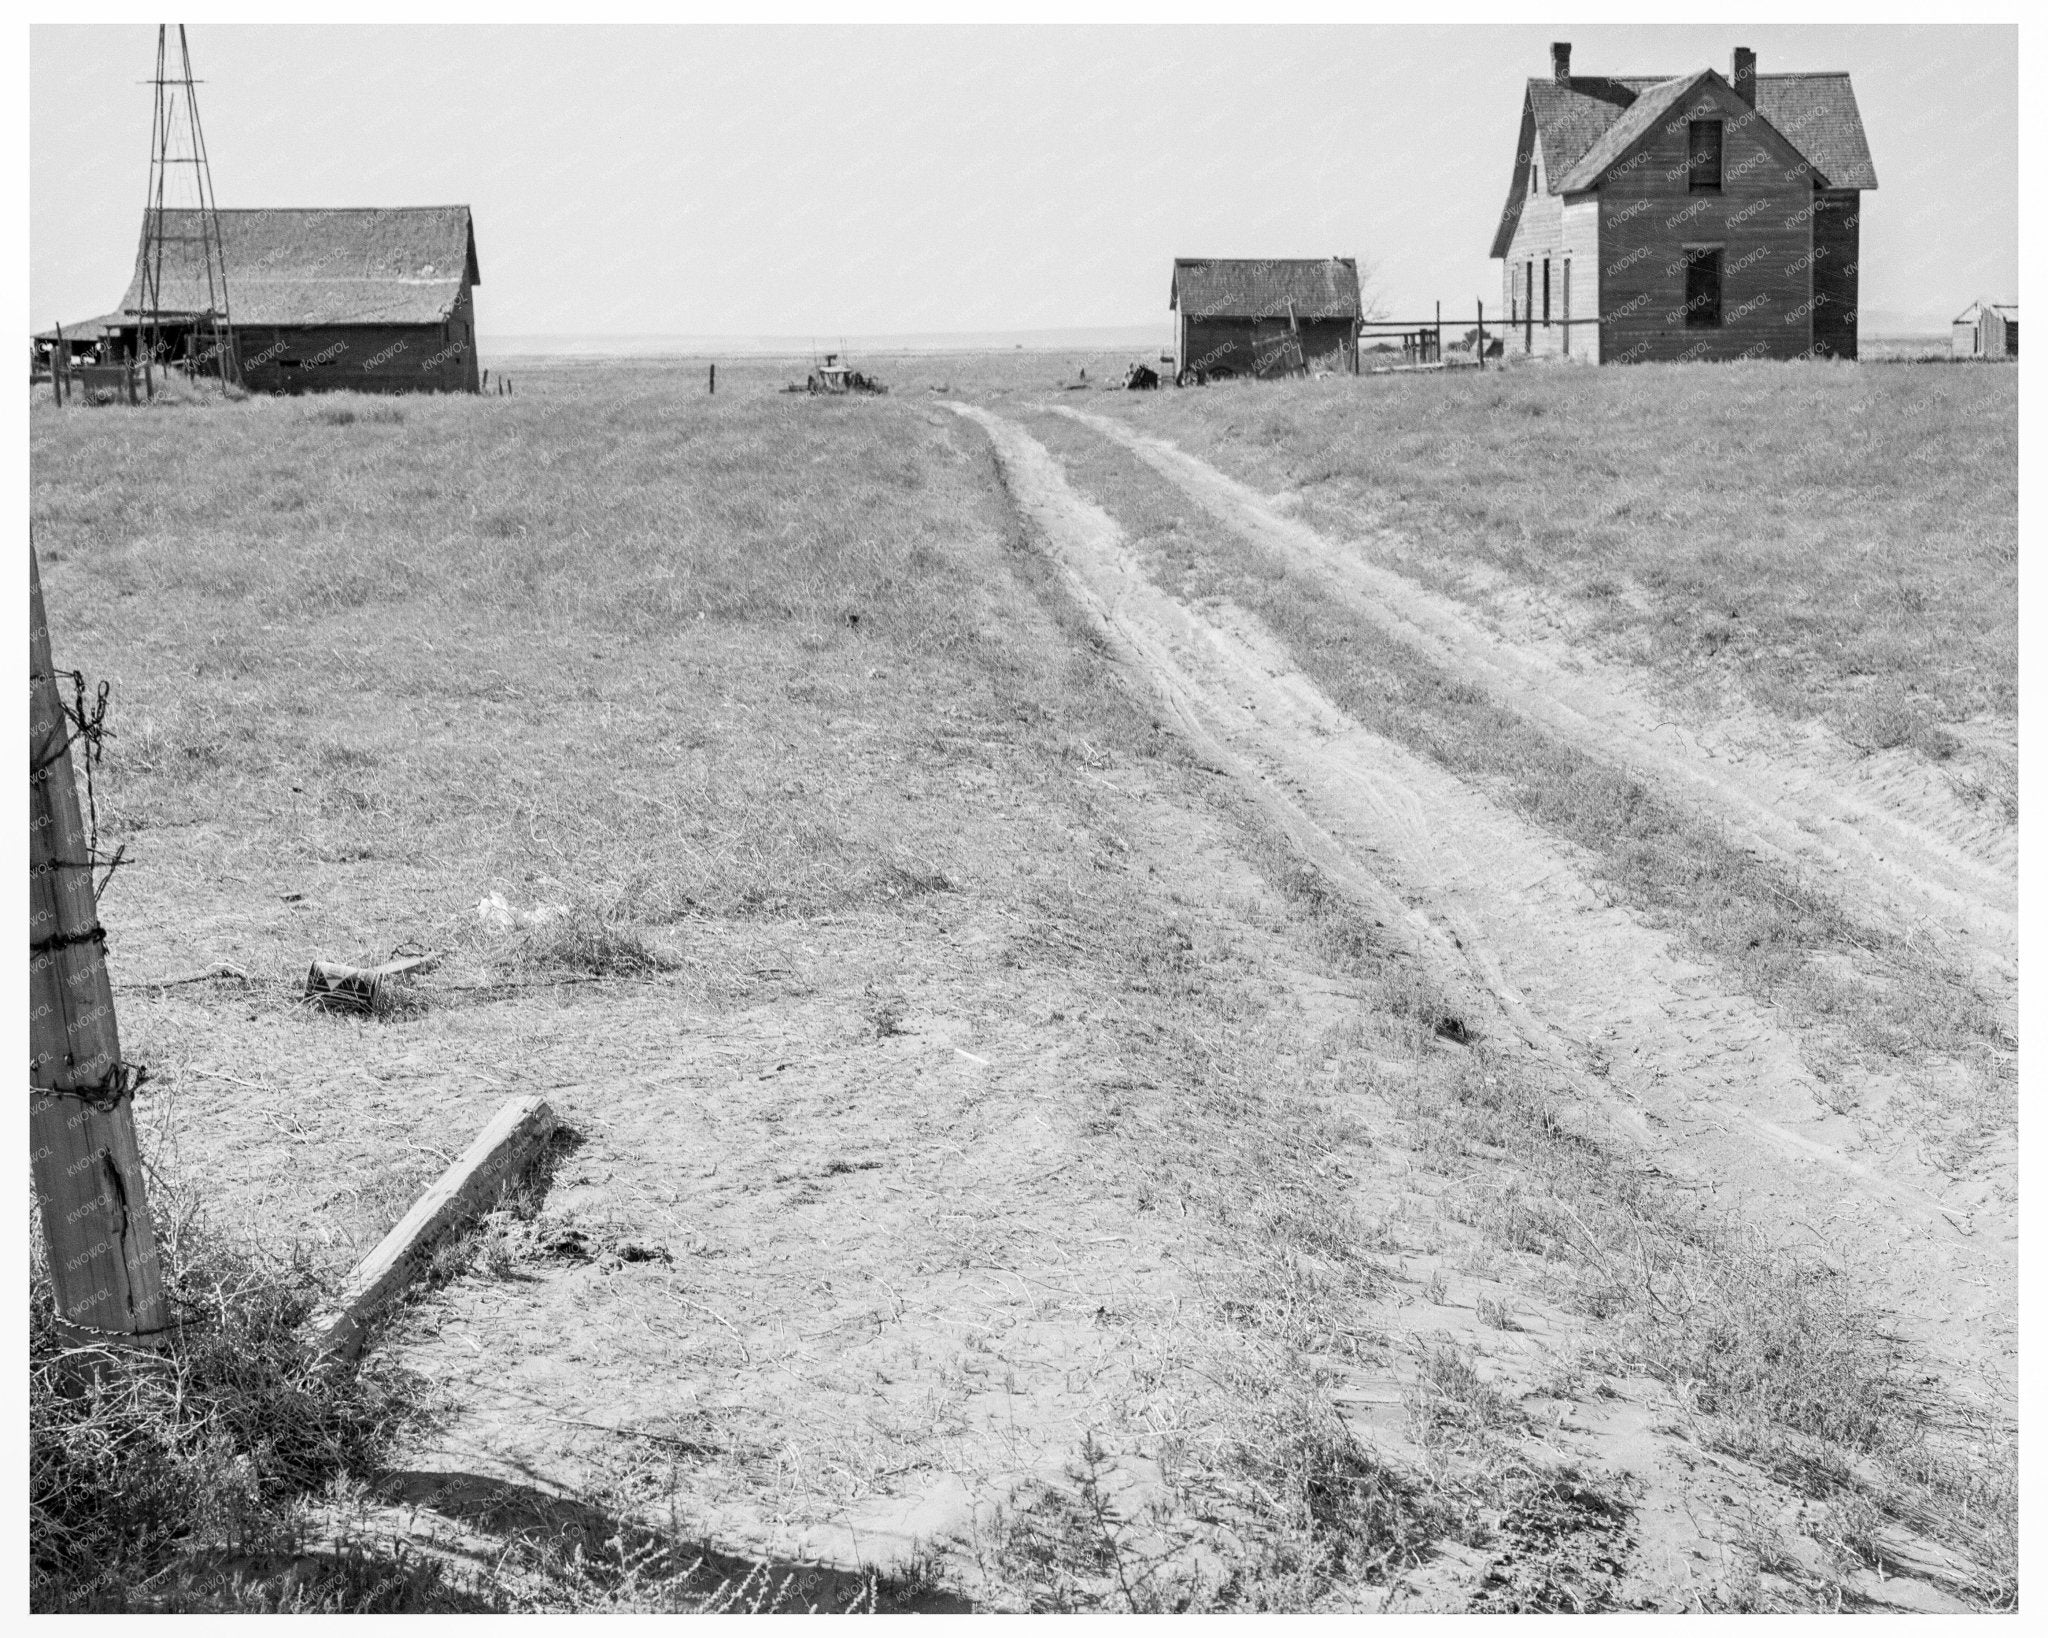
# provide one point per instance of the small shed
(83, 341)
(371, 300)
(1986, 329)
(1264, 318)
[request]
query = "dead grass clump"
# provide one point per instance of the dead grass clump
(1562, 1547)
(218, 1441)
(595, 942)
(1343, 1515)
(1451, 1400)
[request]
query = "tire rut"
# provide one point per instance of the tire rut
(1898, 850)
(1650, 1043)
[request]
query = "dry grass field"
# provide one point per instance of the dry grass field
(1009, 1166)
(1826, 543)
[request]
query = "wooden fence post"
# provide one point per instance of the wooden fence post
(81, 1122)
(714, 378)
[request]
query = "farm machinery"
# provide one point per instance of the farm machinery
(835, 377)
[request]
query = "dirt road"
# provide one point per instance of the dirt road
(1650, 1042)
(1886, 834)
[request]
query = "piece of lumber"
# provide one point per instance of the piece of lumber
(503, 1149)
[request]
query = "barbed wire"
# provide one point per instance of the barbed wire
(87, 728)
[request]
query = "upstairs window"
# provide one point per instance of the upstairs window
(1702, 289)
(1703, 156)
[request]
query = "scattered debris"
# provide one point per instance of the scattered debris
(336, 985)
(495, 912)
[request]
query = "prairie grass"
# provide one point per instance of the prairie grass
(776, 698)
(1827, 541)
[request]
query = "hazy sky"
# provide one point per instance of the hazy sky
(792, 181)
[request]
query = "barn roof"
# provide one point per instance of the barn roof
(1258, 287)
(92, 329)
(1587, 123)
(405, 265)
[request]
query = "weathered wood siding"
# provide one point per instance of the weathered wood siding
(1539, 242)
(1264, 346)
(1836, 240)
(1762, 219)
(1581, 236)
(363, 357)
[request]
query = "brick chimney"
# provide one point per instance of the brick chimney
(1742, 75)
(1561, 62)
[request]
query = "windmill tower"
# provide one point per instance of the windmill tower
(185, 318)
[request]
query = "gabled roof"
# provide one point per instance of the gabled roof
(1588, 123)
(1261, 288)
(405, 265)
(1817, 114)
(1634, 122)
(2005, 309)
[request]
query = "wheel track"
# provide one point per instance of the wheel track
(1910, 858)
(1649, 1041)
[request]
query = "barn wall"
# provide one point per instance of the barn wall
(1836, 237)
(1264, 346)
(359, 357)
(1762, 218)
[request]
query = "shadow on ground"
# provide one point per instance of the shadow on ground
(612, 1550)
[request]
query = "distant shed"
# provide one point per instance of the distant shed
(82, 340)
(1986, 329)
(1264, 318)
(371, 300)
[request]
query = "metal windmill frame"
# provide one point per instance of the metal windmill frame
(215, 321)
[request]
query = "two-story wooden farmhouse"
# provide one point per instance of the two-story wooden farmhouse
(368, 300)
(1688, 218)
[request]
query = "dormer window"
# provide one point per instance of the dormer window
(1703, 156)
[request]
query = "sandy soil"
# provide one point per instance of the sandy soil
(854, 1265)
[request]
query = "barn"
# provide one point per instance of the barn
(367, 300)
(1262, 318)
(1986, 329)
(1688, 217)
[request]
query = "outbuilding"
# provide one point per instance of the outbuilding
(1263, 318)
(377, 300)
(1986, 329)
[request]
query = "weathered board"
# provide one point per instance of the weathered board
(503, 1149)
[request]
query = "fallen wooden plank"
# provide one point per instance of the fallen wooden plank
(502, 1150)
